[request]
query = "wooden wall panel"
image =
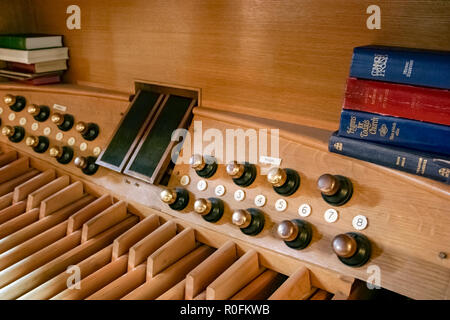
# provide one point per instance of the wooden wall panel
(285, 59)
(16, 16)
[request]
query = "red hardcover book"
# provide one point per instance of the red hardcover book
(398, 100)
(43, 80)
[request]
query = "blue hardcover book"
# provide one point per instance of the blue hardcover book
(419, 163)
(410, 66)
(422, 136)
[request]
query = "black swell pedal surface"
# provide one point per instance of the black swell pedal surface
(155, 143)
(128, 131)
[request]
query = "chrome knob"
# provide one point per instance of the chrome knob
(344, 245)
(32, 141)
(202, 206)
(235, 170)
(168, 196)
(241, 218)
(33, 110)
(8, 131)
(81, 127)
(197, 162)
(57, 119)
(287, 230)
(328, 184)
(80, 162)
(277, 177)
(9, 99)
(55, 152)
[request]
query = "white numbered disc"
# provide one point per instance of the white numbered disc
(96, 151)
(1, 110)
(83, 146)
(59, 136)
(185, 180)
(304, 210)
(12, 116)
(331, 215)
(359, 222)
(71, 141)
(219, 190)
(47, 131)
(202, 185)
(281, 205)
(260, 200)
(239, 195)
(22, 121)
(34, 126)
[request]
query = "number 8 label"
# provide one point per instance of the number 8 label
(359, 222)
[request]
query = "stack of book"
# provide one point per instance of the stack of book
(396, 111)
(32, 58)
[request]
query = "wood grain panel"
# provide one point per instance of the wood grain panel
(275, 57)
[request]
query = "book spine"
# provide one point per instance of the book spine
(421, 164)
(22, 67)
(422, 68)
(423, 136)
(398, 100)
(10, 42)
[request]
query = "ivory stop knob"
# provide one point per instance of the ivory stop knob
(168, 196)
(241, 218)
(328, 184)
(202, 206)
(344, 246)
(9, 99)
(287, 230)
(235, 169)
(8, 131)
(277, 177)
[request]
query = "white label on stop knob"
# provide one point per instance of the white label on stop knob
(219, 190)
(260, 200)
(304, 210)
(281, 205)
(202, 185)
(359, 222)
(239, 195)
(331, 215)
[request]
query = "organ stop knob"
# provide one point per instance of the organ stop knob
(86, 164)
(353, 249)
(39, 113)
(296, 234)
(204, 166)
(210, 209)
(15, 103)
(284, 181)
(62, 154)
(15, 134)
(39, 144)
(243, 175)
(88, 131)
(177, 198)
(336, 190)
(64, 122)
(250, 221)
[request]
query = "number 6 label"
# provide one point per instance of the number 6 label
(331, 215)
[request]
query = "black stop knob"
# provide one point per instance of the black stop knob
(204, 166)
(210, 209)
(39, 144)
(296, 234)
(243, 174)
(62, 154)
(15, 134)
(250, 221)
(88, 131)
(177, 198)
(86, 164)
(64, 122)
(15, 103)
(284, 181)
(39, 113)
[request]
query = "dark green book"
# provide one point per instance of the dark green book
(30, 41)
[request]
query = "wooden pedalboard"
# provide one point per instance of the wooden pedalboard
(408, 217)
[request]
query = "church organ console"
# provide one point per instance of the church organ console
(88, 186)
